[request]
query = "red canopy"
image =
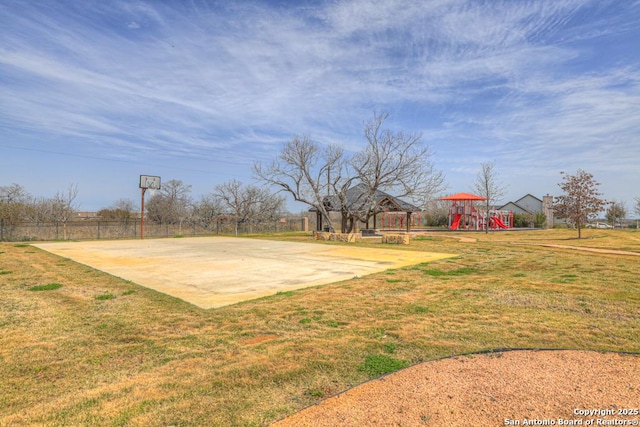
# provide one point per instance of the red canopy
(463, 196)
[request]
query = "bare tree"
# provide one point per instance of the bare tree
(121, 210)
(14, 201)
(248, 204)
(126, 205)
(391, 161)
(617, 211)
(581, 200)
(14, 207)
(307, 172)
(13, 193)
(489, 185)
(396, 162)
(208, 211)
(170, 205)
(63, 207)
(39, 210)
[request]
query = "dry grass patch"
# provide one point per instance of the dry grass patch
(144, 358)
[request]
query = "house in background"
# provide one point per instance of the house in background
(86, 215)
(531, 205)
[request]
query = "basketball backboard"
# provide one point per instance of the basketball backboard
(150, 182)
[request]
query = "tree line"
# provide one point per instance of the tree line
(17, 205)
(232, 201)
(324, 178)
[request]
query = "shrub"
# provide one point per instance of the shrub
(334, 237)
(399, 239)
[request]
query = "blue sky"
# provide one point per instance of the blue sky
(98, 92)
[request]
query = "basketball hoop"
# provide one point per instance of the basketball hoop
(152, 191)
(150, 182)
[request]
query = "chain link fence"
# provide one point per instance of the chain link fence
(131, 229)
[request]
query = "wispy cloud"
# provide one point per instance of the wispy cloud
(552, 83)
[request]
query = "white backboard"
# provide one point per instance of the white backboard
(149, 181)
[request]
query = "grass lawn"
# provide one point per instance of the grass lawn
(80, 347)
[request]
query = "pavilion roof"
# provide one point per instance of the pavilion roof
(358, 197)
(463, 196)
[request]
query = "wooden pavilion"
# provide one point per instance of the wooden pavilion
(357, 198)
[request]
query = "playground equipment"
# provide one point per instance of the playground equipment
(464, 215)
(500, 219)
(456, 221)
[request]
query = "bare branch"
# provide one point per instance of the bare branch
(489, 186)
(304, 171)
(393, 162)
(248, 204)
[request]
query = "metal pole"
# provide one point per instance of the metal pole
(142, 215)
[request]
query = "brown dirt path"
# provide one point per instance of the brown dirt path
(489, 390)
(582, 248)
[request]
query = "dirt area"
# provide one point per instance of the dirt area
(582, 248)
(494, 389)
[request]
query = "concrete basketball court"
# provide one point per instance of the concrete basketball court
(212, 272)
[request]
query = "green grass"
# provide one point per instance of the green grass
(379, 364)
(47, 287)
(458, 272)
(151, 359)
(285, 293)
(390, 348)
(103, 297)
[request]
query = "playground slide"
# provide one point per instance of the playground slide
(456, 222)
(499, 222)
